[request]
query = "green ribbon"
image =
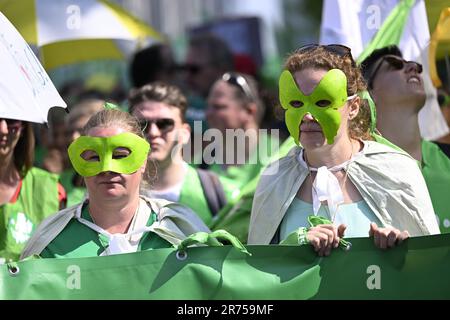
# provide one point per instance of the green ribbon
(314, 221)
(111, 106)
(299, 235)
(373, 122)
(210, 239)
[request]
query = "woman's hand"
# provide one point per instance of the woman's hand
(324, 237)
(386, 237)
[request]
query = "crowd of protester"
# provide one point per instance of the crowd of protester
(197, 142)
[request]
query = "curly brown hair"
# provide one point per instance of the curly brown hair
(321, 58)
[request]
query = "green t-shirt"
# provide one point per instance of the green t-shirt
(436, 171)
(192, 195)
(234, 178)
(37, 199)
(39, 155)
(79, 241)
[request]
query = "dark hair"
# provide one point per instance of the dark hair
(24, 150)
(369, 63)
(149, 64)
(321, 58)
(159, 92)
(220, 55)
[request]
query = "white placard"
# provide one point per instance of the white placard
(26, 91)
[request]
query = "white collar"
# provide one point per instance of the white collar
(326, 186)
(120, 242)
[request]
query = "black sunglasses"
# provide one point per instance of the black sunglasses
(338, 49)
(164, 124)
(240, 82)
(395, 62)
(191, 68)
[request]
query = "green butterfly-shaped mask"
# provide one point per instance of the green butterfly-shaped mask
(104, 147)
(332, 87)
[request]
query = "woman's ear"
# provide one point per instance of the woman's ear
(252, 109)
(353, 108)
(250, 112)
(184, 133)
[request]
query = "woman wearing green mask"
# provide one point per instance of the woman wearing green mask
(337, 174)
(111, 155)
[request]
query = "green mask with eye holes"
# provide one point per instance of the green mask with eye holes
(332, 88)
(104, 147)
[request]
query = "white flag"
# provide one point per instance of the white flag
(354, 24)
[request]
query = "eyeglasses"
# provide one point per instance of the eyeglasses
(163, 124)
(338, 49)
(240, 82)
(395, 62)
(12, 124)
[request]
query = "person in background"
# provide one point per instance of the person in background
(207, 58)
(337, 181)
(398, 91)
(27, 194)
(161, 110)
(154, 63)
(111, 155)
(236, 110)
(51, 156)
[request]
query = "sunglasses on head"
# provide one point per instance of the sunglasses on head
(12, 123)
(240, 82)
(337, 49)
(164, 124)
(395, 62)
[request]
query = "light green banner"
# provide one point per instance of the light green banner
(418, 269)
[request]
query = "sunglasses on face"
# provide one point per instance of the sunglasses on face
(396, 63)
(337, 49)
(240, 82)
(192, 68)
(164, 124)
(12, 123)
